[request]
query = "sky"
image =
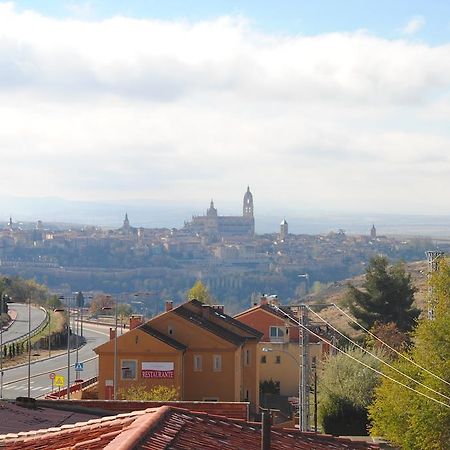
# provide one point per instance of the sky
(317, 106)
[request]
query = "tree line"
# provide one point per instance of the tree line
(353, 399)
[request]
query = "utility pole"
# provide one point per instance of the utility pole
(304, 417)
(2, 299)
(433, 265)
(314, 367)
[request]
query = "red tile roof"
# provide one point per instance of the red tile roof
(175, 428)
(15, 418)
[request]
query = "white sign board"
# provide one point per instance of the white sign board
(157, 370)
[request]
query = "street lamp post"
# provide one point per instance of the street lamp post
(106, 308)
(49, 334)
(2, 299)
(29, 347)
(67, 309)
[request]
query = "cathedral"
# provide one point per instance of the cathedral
(212, 224)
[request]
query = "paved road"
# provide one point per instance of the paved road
(19, 327)
(15, 379)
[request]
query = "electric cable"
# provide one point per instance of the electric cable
(360, 362)
(389, 347)
(377, 357)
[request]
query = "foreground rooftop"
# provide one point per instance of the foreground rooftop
(168, 427)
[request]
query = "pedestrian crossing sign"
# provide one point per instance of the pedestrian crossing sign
(79, 367)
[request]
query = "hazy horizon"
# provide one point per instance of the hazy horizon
(315, 105)
(155, 214)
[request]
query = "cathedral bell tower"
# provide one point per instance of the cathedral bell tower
(247, 209)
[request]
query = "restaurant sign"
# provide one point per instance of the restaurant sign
(157, 370)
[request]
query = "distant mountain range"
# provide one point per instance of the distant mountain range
(158, 214)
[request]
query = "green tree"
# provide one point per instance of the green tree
(404, 417)
(387, 296)
(53, 302)
(200, 292)
(339, 416)
(157, 393)
(346, 387)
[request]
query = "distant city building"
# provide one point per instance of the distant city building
(126, 228)
(284, 229)
(212, 224)
(373, 232)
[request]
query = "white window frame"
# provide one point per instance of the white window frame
(279, 335)
(217, 363)
(123, 364)
(198, 363)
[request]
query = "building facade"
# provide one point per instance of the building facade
(198, 349)
(279, 350)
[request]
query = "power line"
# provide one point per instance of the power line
(360, 362)
(389, 347)
(377, 357)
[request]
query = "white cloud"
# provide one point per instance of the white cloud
(81, 9)
(123, 108)
(414, 25)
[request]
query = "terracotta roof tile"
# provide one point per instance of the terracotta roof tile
(209, 325)
(174, 428)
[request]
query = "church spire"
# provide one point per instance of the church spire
(247, 207)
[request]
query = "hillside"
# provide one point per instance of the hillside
(335, 292)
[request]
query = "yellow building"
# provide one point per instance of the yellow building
(279, 351)
(204, 353)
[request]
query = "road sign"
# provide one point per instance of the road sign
(79, 367)
(51, 376)
(59, 380)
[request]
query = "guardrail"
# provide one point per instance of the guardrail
(33, 332)
(73, 388)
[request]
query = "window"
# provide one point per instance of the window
(128, 369)
(276, 334)
(197, 363)
(247, 357)
(263, 359)
(217, 363)
(278, 359)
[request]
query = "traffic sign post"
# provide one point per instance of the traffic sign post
(52, 377)
(59, 380)
(79, 367)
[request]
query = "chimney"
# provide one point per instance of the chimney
(264, 300)
(205, 311)
(169, 305)
(265, 430)
(135, 321)
(112, 334)
(219, 308)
